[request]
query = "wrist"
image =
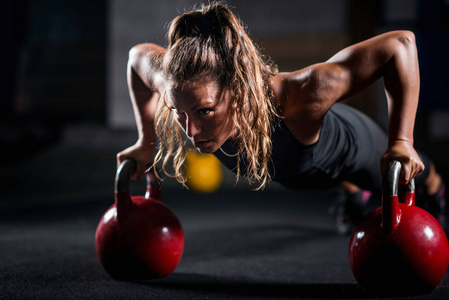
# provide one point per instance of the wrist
(402, 141)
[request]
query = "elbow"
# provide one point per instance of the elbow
(403, 44)
(406, 37)
(137, 52)
(137, 55)
(133, 57)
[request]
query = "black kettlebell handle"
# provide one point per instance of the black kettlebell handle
(390, 185)
(390, 196)
(123, 177)
(123, 200)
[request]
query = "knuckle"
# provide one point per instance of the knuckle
(408, 159)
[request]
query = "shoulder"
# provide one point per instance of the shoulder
(304, 97)
(145, 60)
(308, 91)
(141, 53)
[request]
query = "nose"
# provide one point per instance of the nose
(192, 127)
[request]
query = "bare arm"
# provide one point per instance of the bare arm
(393, 56)
(144, 94)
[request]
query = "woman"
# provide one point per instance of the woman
(213, 85)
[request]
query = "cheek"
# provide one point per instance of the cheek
(223, 126)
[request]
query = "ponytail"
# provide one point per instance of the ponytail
(210, 44)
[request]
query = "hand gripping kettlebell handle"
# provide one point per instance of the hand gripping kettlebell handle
(390, 196)
(123, 199)
(123, 177)
(390, 183)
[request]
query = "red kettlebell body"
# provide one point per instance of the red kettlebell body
(139, 237)
(399, 249)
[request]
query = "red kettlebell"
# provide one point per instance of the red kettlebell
(398, 248)
(138, 237)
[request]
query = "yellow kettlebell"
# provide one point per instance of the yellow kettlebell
(204, 172)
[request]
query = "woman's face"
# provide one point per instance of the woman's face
(203, 112)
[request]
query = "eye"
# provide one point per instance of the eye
(204, 111)
(178, 111)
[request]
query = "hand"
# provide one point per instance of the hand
(403, 152)
(142, 154)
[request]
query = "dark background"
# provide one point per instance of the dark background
(65, 113)
(59, 58)
(63, 75)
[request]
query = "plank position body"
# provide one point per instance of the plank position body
(213, 86)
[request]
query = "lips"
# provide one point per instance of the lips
(201, 144)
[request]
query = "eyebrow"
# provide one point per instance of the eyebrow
(198, 105)
(192, 109)
(212, 101)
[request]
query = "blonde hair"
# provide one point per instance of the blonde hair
(210, 43)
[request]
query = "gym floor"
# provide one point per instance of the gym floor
(240, 244)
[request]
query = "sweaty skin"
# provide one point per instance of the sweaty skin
(202, 111)
(304, 97)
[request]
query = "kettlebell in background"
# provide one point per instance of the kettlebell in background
(399, 248)
(138, 237)
(204, 172)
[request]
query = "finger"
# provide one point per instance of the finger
(406, 172)
(416, 168)
(119, 159)
(419, 168)
(422, 167)
(140, 171)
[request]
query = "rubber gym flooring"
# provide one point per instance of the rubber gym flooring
(240, 244)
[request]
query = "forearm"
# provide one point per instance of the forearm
(393, 57)
(401, 80)
(144, 102)
(144, 115)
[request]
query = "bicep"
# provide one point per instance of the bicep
(142, 70)
(140, 77)
(143, 97)
(358, 66)
(311, 91)
(352, 70)
(146, 60)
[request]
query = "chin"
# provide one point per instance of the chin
(211, 148)
(206, 150)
